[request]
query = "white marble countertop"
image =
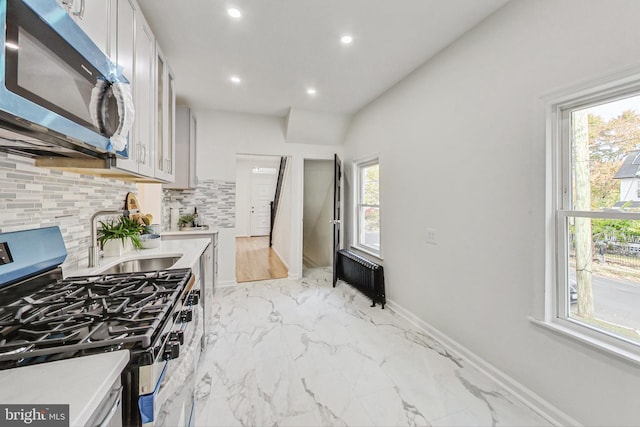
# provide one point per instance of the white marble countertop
(193, 232)
(80, 382)
(189, 251)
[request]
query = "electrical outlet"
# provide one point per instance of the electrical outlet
(432, 236)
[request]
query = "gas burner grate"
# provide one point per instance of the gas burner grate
(89, 312)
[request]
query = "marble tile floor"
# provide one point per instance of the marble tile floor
(302, 353)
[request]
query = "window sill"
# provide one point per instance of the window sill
(368, 252)
(598, 344)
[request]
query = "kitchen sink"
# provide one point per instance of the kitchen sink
(142, 264)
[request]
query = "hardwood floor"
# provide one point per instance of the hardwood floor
(255, 260)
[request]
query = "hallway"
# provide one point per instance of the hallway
(255, 260)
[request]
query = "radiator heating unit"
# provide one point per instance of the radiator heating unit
(361, 273)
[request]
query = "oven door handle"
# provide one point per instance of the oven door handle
(107, 418)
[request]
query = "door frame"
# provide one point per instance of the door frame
(297, 215)
(296, 174)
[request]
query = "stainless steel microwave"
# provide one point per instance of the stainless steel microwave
(60, 95)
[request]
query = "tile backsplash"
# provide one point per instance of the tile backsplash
(215, 200)
(33, 197)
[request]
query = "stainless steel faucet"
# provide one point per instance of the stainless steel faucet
(94, 249)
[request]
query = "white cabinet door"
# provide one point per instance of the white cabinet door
(185, 150)
(193, 143)
(165, 116)
(125, 29)
(144, 95)
(93, 17)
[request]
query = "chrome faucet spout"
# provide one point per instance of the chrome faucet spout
(94, 249)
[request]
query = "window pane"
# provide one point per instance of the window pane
(604, 275)
(370, 227)
(606, 155)
(371, 185)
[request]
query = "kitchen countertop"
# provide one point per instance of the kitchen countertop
(188, 249)
(193, 232)
(80, 382)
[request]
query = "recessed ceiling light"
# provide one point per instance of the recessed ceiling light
(234, 13)
(311, 91)
(235, 79)
(346, 39)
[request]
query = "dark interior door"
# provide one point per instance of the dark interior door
(337, 175)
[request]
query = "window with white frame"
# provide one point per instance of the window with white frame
(367, 205)
(595, 230)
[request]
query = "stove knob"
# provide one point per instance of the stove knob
(177, 336)
(193, 298)
(186, 316)
(171, 350)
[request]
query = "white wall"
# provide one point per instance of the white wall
(283, 225)
(314, 127)
(223, 135)
(463, 151)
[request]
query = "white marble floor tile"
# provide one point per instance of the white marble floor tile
(302, 353)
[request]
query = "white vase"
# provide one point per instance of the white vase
(116, 247)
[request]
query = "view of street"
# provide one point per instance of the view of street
(616, 301)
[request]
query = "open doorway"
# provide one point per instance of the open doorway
(257, 179)
(318, 206)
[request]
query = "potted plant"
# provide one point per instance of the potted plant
(186, 221)
(120, 235)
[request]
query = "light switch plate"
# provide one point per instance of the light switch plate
(432, 236)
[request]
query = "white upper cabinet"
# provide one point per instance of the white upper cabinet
(165, 119)
(185, 146)
(144, 92)
(93, 17)
(123, 39)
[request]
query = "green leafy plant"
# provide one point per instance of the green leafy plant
(122, 228)
(186, 220)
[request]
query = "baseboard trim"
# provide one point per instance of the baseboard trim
(226, 283)
(294, 276)
(531, 399)
(281, 259)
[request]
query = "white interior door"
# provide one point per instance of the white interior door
(263, 189)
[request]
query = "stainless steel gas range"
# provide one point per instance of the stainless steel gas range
(155, 315)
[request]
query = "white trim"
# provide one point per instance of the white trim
(226, 284)
(281, 259)
(534, 401)
(367, 251)
(551, 308)
(294, 276)
(592, 340)
(366, 159)
(600, 214)
(357, 164)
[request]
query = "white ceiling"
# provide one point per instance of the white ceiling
(281, 47)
